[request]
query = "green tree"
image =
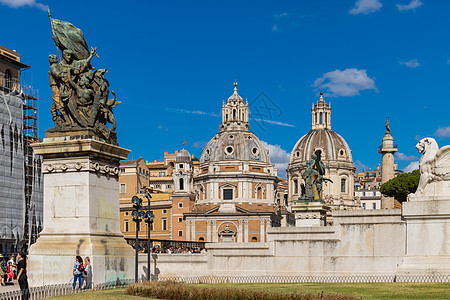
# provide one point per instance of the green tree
(402, 185)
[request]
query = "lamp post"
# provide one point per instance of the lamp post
(137, 205)
(138, 216)
(148, 220)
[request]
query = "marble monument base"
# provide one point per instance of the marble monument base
(309, 214)
(81, 212)
(427, 229)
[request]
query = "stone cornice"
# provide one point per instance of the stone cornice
(63, 147)
(80, 164)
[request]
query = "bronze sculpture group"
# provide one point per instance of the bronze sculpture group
(80, 93)
(313, 176)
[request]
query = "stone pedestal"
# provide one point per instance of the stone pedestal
(428, 236)
(81, 212)
(309, 214)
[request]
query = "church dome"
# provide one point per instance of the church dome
(183, 156)
(336, 155)
(235, 145)
(332, 145)
(234, 141)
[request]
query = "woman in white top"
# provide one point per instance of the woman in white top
(87, 277)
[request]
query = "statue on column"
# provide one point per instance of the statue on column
(388, 129)
(80, 92)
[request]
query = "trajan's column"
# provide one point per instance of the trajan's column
(387, 150)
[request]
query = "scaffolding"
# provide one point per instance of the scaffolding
(32, 185)
(32, 163)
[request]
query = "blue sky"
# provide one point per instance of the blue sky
(171, 63)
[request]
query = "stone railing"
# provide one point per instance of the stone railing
(42, 292)
(299, 279)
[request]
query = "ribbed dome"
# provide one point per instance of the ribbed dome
(183, 156)
(333, 146)
(235, 145)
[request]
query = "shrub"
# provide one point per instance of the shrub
(172, 290)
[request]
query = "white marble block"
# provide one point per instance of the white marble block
(310, 214)
(427, 214)
(81, 212)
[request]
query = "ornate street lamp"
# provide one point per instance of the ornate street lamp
(136, 214)
(148, 220)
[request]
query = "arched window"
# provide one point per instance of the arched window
(181, 184)
(234, 114)
(321, 118)
(259, 193)
(200, 194)
(343, 185)
(295, 186)
(226, 117)
(8, 79)
(254, 239)
(326, 118)
(201, 239)
(315, 118)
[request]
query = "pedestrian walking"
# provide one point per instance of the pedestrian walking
(87, 276)
(2, 271)
(78, 270)
(13, 267)
(23, 279)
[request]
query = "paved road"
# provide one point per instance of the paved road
(8, 288)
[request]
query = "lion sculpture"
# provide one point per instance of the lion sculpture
(434, 167)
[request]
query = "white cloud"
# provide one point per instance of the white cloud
(274, 122)
(199, 145)
(21, 3)
(160, 127)
(279, 157)
(191, 112)
(443, 132)
(365, 7)
(411, 167)
(413, 63)
(411, 6)
(360, 166)
(345, 83)
(280, 15)
(402, 156)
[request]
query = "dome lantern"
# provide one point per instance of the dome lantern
(234, 113)
(321, 114)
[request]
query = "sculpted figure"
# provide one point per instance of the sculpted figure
(106, 111)
(80, 66)
(54, 77)
(388, 129)
(101, 86)
(313, 177)
(83, 90)
(434, 165)
(309, 176)
(80, 94)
